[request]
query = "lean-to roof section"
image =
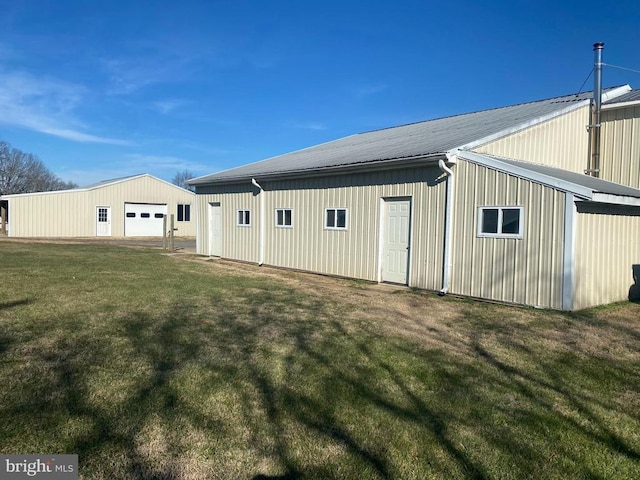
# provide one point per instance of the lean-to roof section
(584, 186)
(432, 138)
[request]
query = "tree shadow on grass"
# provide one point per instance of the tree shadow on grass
(287, 381)
(15, 303)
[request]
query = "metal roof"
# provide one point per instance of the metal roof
(111, 180)
(396, 144)
(632, 96)
(577, 183)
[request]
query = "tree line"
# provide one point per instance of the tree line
(22, 172)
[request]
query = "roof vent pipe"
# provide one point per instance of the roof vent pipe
(596, 109)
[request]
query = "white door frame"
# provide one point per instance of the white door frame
(211, 224)
(99, 224)
(382, 234)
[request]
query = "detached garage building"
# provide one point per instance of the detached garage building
(123, 207)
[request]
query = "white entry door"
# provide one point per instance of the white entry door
(215, 229)
(103, 221)
(395, 254)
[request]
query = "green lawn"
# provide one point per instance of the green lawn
(156, 366)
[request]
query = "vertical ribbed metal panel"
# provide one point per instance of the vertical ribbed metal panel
(562, 142)
(607, 248)
(620, 146)
(50, 215)
(238, 242)
(352, 252)
(142, 190)
(525, 271)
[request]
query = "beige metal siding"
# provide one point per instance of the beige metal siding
(143, 190)
(620, 146)
(63, 214)
(238, 242)
(73, 213)
(562, 142)
(351, 253)
(525, 271)
(607, 248)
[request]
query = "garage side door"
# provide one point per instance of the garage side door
(143, 220)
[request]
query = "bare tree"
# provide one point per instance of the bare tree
(25, 173)
(181, 178)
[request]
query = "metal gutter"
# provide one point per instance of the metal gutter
(448, 221)
(262, 223)
(569, 252)
(387, 164)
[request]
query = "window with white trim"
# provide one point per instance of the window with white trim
(284, 217)
(244, 218)
(335, 218)
(500, 222)
(184, 212)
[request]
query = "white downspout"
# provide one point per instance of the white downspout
(262, 224)
(448, 220)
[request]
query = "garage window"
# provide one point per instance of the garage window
(184, 212)
(158, 215)
(145, 215)
(131, 215)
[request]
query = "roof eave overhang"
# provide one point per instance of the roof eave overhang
(616, 199)
(614, 106)
(377, 165)
(547, 180)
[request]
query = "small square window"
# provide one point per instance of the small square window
(244, 218)
(284, 217)
(500, 222)
(335, 218)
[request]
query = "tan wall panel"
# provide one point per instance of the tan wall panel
(143, 190)
(620, 141)
(351, 253)
(607, 248)
(525, 271)
(238, 242)
(562, 142)
(50, 215)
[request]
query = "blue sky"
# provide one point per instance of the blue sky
(105, 89)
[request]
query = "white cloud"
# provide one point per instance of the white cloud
(169, 105)
(127, 75)
(368, 90)
(310, 125)
(158, 162)
(45, 105)
(164, 167)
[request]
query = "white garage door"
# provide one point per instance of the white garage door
(143, 219)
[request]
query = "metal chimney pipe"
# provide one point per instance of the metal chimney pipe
(596, 109)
